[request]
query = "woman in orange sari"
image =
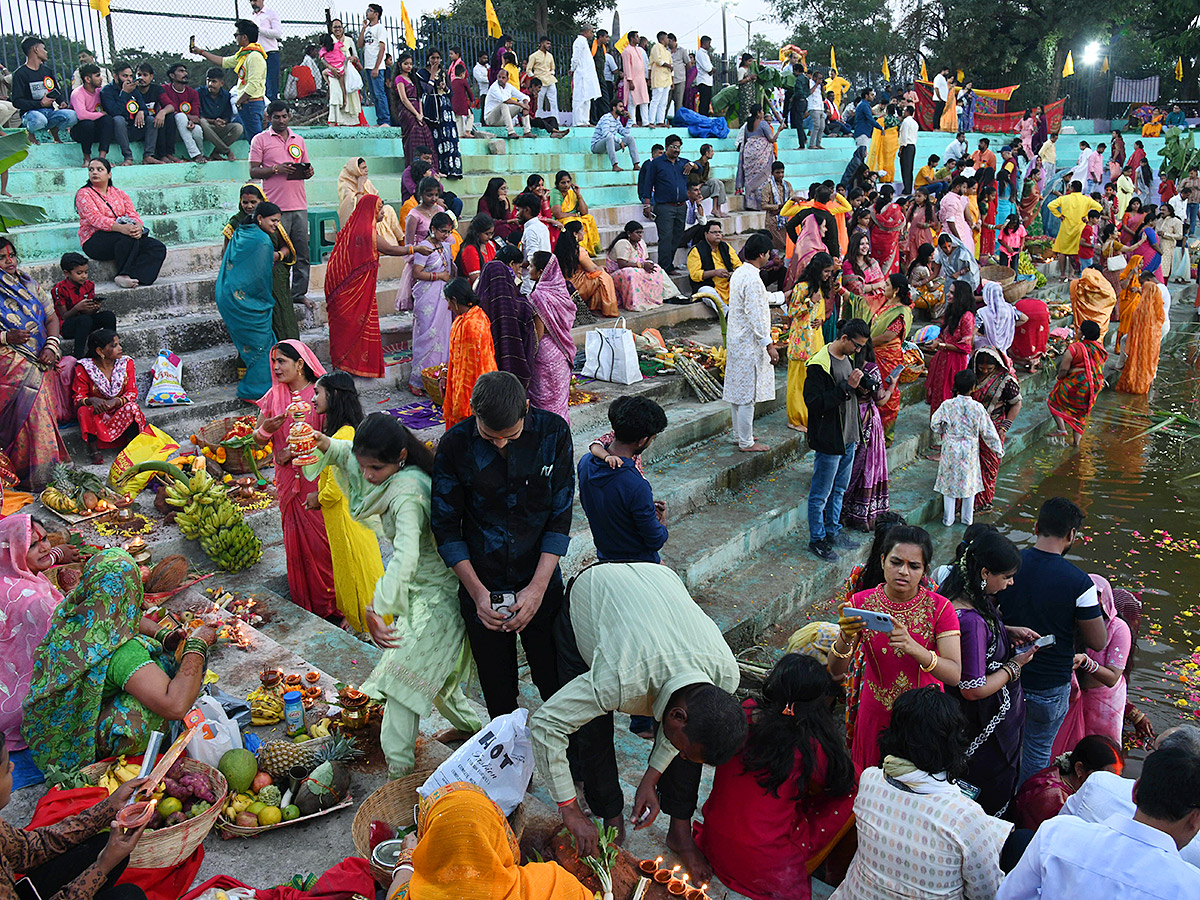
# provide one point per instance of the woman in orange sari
(889, 328)
(1145, 339)
(1128, 297)
(464, 850)
(471, 351)
(355, 345)
(1080, 380)
(593, 284)
(886, 221)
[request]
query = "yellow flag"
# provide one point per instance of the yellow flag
(410, 36)
(924, 71)
(887, 73)
(1179, 69)
(100, 6)
(832, 59)
(1068, 66)
(1104, 65)
(960, 77)
(622, 41)
(493, 21)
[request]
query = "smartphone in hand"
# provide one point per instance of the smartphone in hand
(876, 621)
(192, 44)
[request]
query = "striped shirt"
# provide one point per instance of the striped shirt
(643, 638)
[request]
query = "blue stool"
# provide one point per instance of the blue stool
(320, 246)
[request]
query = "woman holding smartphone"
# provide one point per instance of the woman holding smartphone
(922, 648)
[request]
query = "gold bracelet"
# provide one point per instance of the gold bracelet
(933, 661)
(849, 651)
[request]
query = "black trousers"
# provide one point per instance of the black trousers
(80, 325)
(51, 877)
(939, 107)
(141, 259)
(93, 131)
(495, 652)
(596, 756)
(705, 92)
(799, 113)
(908, 154)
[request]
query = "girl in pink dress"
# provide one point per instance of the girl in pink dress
(294, 373)
(953, 346)
(922, 649)
(922, 220)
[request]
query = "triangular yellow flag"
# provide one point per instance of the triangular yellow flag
(960, 77)
(101, 6)
(1068, 66)
(924, 71)
(622, 41)
(1179, 69)
(887, 73)
(1104, 65)
(410, 36)
(832, 59)
(493, 21)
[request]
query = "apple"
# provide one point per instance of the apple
(246, 820)
(261, 780)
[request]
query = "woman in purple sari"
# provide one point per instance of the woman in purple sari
(867, 495)
(511, 315)
(554, 311)
(432, 267)
(417, 132)
(989, 691)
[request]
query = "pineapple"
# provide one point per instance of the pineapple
(337, 748)
(276, 757)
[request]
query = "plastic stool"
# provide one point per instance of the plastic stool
(319, 247)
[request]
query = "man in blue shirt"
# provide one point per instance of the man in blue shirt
(216, 114)
(864, 119)
(503, 489)
(666, 182)
(628, 524)
(132, 120)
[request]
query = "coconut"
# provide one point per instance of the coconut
(167, 575)
(323, 789)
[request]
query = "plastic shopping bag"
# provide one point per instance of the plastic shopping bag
(612, 355)
(144, 447)
(217, 733)
(499, 759)
(166, 382)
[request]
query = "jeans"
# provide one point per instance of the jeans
(1044, 714)
(609, 145)
(295, 223)
(221, 137)
(251, 117)
(830, 478)
(671, 219)
(121, 128)
(273, 75)
(37, 119)
(1193, 214)
(816, 128)
(93, 131)
(192, 136)
(379, 92)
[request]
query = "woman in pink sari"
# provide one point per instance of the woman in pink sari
(922, 220)
(294, 372)
(554, 314)
(809, 242)
(1098, 687)
(861, 274)
(886, 221)
(29, 602)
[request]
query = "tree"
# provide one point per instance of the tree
(762, 47)
(536, 17)
(860, 30)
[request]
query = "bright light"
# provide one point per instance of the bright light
(1091, 53)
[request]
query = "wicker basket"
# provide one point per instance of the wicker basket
(395, 803)
(1004, 274)
(1018, 289)
(431, 381)
(168, 847)
(235, 457)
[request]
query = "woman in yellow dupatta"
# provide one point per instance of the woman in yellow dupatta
(889, 328)
(352, 184)
(881, 153)
(949, 120)
(807, 307)
(1145, 339)
(464, 850)
(1128, 298)
(568, 205)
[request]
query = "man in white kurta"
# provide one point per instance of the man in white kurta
(749, 375)
(585, 85)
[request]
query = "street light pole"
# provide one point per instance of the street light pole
(748, 22)
(725, 39)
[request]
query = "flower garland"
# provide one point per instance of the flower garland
(109, 528)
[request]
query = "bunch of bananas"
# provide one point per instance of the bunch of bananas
(56, 500)
(119, 773)
(266, 707)
(718, 355)
(206, 513)
(320, 729)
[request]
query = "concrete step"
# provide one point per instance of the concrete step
(47, 242)
(152, 199)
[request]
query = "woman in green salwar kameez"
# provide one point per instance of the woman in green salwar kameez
(426, 657)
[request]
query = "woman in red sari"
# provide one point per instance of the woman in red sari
(988, 202)
(1080, 379)
(861, 274)
(477, 248)
(922, 220)
(786, 799)
(294, 373)
(1045, 793)
(953, 346)
(922, 649)
(889, 328)
(355, 345)
(105, 394)
(886, 221)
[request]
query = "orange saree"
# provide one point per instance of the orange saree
(471, 355)
(1144, 342)
(355, 345)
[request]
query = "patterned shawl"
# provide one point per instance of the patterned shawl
(511, 315)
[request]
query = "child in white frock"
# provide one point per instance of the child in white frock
(962, 423)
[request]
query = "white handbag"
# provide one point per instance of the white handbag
(611, 355)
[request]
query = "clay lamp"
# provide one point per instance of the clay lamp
(271, 678)
(292, 681)
(135, 815)
(662, 876)
(139, 551)
(312, 677)
(124, 507)
(649, 866)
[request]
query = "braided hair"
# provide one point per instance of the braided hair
(992, 551)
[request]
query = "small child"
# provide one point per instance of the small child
(1087, 240)
(76, 305)
(962, 423)
(1011, 241)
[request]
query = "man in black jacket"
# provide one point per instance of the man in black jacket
(833, 433)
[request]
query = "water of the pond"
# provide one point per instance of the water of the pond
(1143, 522)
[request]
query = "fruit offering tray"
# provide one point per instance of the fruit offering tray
(229, 830)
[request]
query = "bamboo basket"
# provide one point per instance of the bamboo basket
(395, 803)
(168, 847)
(231, 830)
(1006, 275)
(1018, 289)
(235, 457)
(431, 381)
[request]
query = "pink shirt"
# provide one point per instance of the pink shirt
(953, 207)
(86, 103)
(271, 149)
(98, 212)
(1013, 240)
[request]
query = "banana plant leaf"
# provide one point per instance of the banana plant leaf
(14, 148)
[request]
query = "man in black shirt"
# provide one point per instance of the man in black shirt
(216, 115)
(38, 95)
(154, 148)
(503, 488)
